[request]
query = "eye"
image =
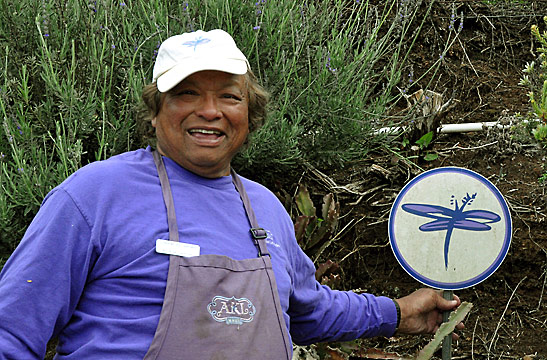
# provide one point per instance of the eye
(232, 96)
(186, 92)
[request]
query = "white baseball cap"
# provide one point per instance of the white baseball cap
(182, 55)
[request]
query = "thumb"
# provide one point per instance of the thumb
(444, 304)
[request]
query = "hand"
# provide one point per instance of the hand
(422, 312)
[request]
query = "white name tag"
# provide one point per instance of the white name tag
(176, 248)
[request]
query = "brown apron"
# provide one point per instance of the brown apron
(216, 307)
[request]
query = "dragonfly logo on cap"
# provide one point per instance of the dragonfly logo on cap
(195, 43)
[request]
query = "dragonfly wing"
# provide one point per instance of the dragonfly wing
(430, 211)
(471, 225)
(435, 225)
(482, 214)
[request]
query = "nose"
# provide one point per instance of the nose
(208, 108)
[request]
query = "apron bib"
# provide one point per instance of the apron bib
(216, 307)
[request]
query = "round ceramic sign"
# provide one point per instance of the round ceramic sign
(450, 228)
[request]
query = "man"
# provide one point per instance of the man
(168, 254)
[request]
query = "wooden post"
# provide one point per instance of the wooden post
(447, 342)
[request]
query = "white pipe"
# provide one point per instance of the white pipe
(456, 128)
(448, 128)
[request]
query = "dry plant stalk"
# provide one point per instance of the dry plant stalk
(444, 330)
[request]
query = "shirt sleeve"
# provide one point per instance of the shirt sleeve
(319, 313)
(42, 281)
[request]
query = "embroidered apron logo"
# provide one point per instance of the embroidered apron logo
(232, 311)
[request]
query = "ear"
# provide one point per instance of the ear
(153, 122)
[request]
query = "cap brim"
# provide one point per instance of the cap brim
(181, 71)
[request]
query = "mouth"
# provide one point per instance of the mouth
(205, 132)
(206, 136)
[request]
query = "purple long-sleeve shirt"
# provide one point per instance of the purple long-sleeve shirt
(87, 270)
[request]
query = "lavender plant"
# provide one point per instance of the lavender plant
(72, 72)
(332, 81)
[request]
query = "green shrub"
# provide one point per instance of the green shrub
(535, 79)
(72, 72)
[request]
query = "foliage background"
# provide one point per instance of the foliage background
(72, 72)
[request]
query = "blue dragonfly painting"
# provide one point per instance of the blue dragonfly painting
(200, 40)
(447, 219)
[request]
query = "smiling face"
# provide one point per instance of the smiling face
(203, 122)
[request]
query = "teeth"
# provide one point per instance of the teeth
(203, 131)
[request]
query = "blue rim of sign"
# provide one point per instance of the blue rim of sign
(451, 285)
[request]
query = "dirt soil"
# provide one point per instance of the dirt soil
(480, 72)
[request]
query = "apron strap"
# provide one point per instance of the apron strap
(259, 234)
(174, 261)
(167, 197)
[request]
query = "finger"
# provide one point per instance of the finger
(455, 336)
(439, 318)
(460, 326)
(447, 305)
